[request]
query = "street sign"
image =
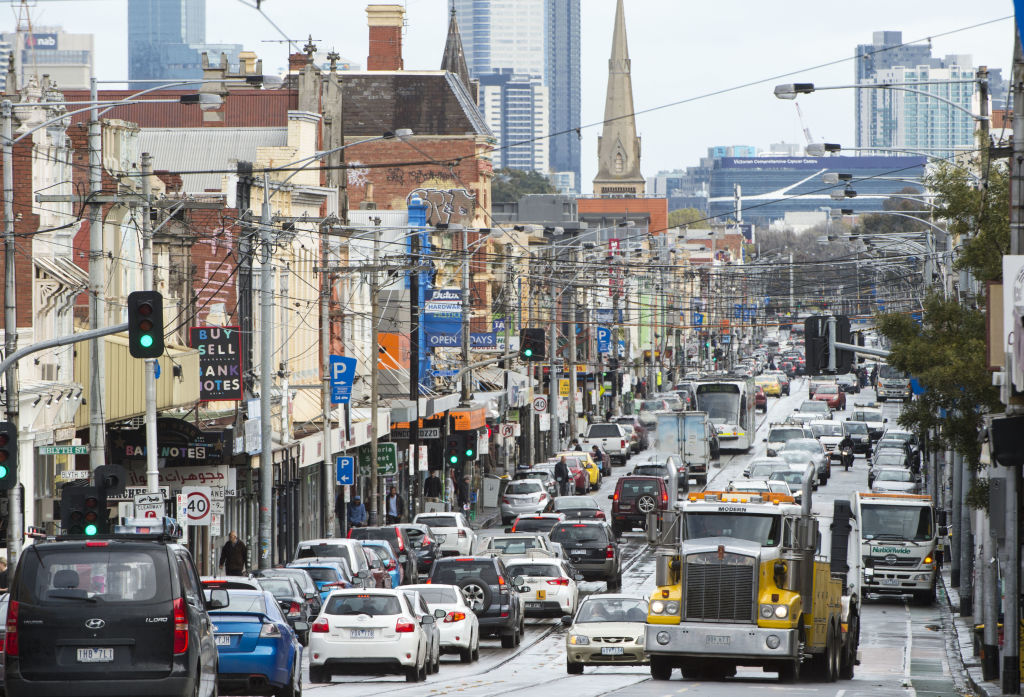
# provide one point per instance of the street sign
(510, 430)
(604, 340)
(444, 373)
(149, 506)
(71, 475)
(198, 508)
(540, 404)
(563, 387)
(387, 459)
(430, 433)
(216, 502)
(63, 449)
(346, 469)
(343, 370)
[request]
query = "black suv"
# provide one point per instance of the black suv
(591, 547)
(400, 543)
(115, 615)
(489, 590)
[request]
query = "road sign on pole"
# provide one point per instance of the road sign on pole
(149, 506)
(346, 469)
(343, 370)
(387, 459)
(198, 508)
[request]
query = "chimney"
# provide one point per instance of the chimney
(386, 23)
(296, 62)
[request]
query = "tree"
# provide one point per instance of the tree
(508, 185)
(902, 203)
(686, 216)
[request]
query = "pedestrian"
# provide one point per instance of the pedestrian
(464, 493)
(562, 475)
(432, 486)
(574, 444)
(233, 555)
(4, 583)
(356, 513)
(395, 506)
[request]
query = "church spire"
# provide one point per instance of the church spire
(454, 59)
(618, 147)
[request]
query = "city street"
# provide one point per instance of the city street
(901, 648)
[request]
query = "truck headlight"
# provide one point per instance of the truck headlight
(772, 641)
(579, 640)
(781, 611)
(657, 607)
(672, 607)
(766, 611)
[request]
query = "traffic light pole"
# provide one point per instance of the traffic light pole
(152, 473)
(15, 524)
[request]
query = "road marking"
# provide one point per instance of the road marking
(840, 693)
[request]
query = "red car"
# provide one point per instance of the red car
(832, 395)
(761, 400)
(579, 474)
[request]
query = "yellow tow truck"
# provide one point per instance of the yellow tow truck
(754, 580)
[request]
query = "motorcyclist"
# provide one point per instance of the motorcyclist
(845, 449)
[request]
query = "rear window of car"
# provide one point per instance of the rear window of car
(653, 470)
(438, 521)
(777, 434)
(524, 487)
(322, 574)
(603, 431)
(388, 533)
(245, 602)
(438, 595)
(542, 570)
(570, 502)
(452, 572)
(322, 550)
(639, 487)
(280, 587)
(363, 605)
(534, 524)
(573, 532)
(106, 575)
(512, 545)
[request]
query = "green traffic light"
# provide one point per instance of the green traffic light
(146, 340)
(3, 472)
(469, 452)
(528, 352)
(91, 529)
(454, 459)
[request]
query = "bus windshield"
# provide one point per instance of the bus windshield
(721, 402)
(763, 529)
(879, 522)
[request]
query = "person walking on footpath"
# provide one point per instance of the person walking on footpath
(356, 513)
(562, 475)
(395, 506)
(233, 555)
(464, 493)
(432, 486)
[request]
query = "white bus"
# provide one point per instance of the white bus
(729, 403)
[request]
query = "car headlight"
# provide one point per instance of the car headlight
(640, 640)
(657, 607)
(579, 640)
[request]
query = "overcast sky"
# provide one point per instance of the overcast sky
(680, 50)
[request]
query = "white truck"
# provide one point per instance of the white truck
(611, 438)
(689, 434)
(899, 544)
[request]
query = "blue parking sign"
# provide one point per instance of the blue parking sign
(346, 466)
(343, 370)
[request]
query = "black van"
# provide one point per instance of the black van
(123, 614)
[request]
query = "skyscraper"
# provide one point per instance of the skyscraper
(166, 40)
(906, 118)
(562, 68)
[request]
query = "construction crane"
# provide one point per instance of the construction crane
(807, 131)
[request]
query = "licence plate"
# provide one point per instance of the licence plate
(611, 651)
(534, 606)
(361, 634)
(718, 640)
(890, 581)
(222, 640)
(578, 551)
(95, 655)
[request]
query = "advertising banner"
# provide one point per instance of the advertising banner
(442, 318)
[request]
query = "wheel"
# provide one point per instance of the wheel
(615, 583)
(522, 628)
(319, 674)
(508, 641)
(421, 674)
(573, 668)
(294, 689)
(477, 593)
(849, 660)
(476, 651)
(689, 671)
(926, 597)
(661, 668)
(822, 480)
(646, 504)
(789, 672)
(466, 655)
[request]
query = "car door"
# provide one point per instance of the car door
(195, 602)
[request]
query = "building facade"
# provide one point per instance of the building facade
(515, 107)
(66, 58)
(562, 71)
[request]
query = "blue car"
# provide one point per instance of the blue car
(383, 549)
(259, 653)
(327, 575)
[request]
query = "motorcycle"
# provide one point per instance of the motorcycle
(847, 457)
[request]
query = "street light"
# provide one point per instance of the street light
(790, 91)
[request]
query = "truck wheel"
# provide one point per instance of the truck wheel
(789, 671)
(661, 668)
(925, 598)
(834, 656)
(849, 659)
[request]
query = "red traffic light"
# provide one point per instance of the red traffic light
(145, 309)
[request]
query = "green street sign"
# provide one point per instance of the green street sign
(387, 459)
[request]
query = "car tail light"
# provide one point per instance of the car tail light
(349, 534)
(269, 630)
(504, 499)
(454, 616)
(558, 582)
(609, 552)
(542, 497)
(599, 514)
(615, 496)
(11, 641)
(404, 625)
(501, 582)
(294, 609)
(391, 565)
(622, 444)
(180, 626)
(321, 627)
(426, 541)
(401, 542)
(462, 533)
(664, 496)
(334, 584)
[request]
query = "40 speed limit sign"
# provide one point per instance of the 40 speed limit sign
(198, 506)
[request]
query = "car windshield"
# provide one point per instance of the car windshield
(97, 575)
(805, 444)
(855, 427)
(280, 587)
(438, 594)
(578, 533)
(543, 525)
(534, 569)
(652, 405)
(789, 476)
(894, 476)
(612, 610)
(873, 416)
(455, 570)
(758, 471)
(784, 434)
(438, 521)
(363, 605)
(880, 522)
(826, 389)
(889, 443)
(796, 457)
(571, 502)
(652, 470)
(763, 529)
(245, 602)
(322, 550)
(820, 430)
(300, 576)
(603, 431)
(899, 435)
(524, 487)
(812, 407)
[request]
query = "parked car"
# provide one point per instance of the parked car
(607, 630)
(770, 384)
(378, 569)
(489, 590)
(818, 455)
(523, 496)
(459, 628)
(459, 537)
(259, 652)
(578, 507)
(294, 606)
(552, 582)
(610, 438)
(369, 630)
(396, 536)
(895, 480)
(517, 544)
(633, 499)
(590, 546)
(761, 467)
(593, 469)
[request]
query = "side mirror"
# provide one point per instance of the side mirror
(440, 613)
(517, 580)
(577, 577)
(508, 529)
(310, 596)
(885, 421)
(218, 599)
(566, 620)
(427, 619)
(301, 627)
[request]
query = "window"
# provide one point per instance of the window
(363, 604)
(117, 576)
(620, 163)
(452, 573)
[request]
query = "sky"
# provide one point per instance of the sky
(695, 59)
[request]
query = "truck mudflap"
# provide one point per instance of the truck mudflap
(722, 641)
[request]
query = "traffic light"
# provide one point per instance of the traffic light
(145, 324)
(531, 345)
(8, 456)
(83, 511)
(455, 449)
(815, 344)
(469, 444)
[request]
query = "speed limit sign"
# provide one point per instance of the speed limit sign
(198, 508)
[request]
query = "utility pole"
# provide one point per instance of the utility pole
(283, 373)
(414, 350)
(507, 363)
(467, 377)
(966, 542)
(374, 360)
(97, 291)
(792, 305)
(571, 362)
(553, 372)
(152, 473)
(614, 358)
(266, 370)
(15, 524)
(652, 305)
(325, 381)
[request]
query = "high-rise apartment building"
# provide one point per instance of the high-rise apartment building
(166, 40)
(538, 40)
(894, 118)
(515, 107)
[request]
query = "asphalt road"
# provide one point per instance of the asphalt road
(901, 651)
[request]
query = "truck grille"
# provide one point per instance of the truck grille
(719, 591)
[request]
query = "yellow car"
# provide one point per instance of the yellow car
(593, 469)
(769, 384)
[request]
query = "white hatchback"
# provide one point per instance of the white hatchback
(368, 630)
(552, 583)
(460, 628)
(459, 537)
